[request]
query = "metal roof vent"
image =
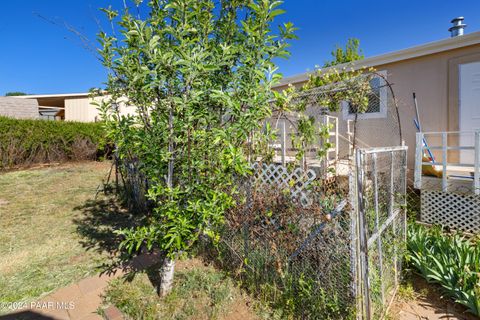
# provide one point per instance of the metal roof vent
(458, 27)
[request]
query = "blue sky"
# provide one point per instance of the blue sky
(39, 55)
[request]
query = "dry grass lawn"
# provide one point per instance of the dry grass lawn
(41, 249)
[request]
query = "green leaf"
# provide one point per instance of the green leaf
(276, 12)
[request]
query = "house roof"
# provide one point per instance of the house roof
(54, 100)
(57, 95)
(410, 53)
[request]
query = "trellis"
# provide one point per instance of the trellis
(452, 210)
(297, 181)
(285, 131)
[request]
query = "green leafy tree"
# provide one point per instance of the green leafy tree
(15, 93)
(199, 74)
(352, 52)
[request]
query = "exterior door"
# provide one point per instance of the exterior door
(469, 102)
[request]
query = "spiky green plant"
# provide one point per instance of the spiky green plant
(451, 260)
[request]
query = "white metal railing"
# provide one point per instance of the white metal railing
(350, 136)
(333, 138)
(447, 167)
(332, 153)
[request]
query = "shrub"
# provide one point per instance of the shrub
(293, 259)
(451, 260)
(25, 142)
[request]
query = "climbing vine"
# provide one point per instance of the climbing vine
(325, 89)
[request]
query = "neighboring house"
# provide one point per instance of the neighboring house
(21, 109)
(69, 106)
(445, 75)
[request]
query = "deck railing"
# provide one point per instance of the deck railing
(423, 144)
(280, 147)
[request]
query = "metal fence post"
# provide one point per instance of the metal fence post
(352, 194)
(404, 189)
(377, 223)
(394, 224)
(444, 162)
(284, 143)
(418, 160)
(363, 247)
(476, 174)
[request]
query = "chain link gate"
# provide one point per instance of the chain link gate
(378, 227)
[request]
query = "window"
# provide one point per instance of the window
(377, 102)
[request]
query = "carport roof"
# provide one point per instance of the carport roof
(57, 95)
(53, 100)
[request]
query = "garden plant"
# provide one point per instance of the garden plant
(451, 260)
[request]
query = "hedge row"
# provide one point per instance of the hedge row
(26, 142)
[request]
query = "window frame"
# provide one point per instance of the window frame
(383, 101)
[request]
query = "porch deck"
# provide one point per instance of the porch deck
(456, 161)
(452, 197)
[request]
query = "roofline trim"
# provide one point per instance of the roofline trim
(400, 55)
(65, 95)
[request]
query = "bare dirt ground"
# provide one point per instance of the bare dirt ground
(429, 304)
(240, 311)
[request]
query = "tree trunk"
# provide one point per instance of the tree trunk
(168, 265)
(170, 149)
(166, 277)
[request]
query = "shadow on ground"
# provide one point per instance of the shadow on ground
(98, 222)
(26, 315)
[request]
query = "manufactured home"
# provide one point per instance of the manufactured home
(435, 89)
(444, 75)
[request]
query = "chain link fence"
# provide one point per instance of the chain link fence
(321, 246)
(289, 243)
(294, 241)
(381, 226)
(293, 238)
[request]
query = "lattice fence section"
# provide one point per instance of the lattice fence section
(296, 180)
(453, 210)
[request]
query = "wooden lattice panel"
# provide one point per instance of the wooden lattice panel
(297, 180)
(457, 211)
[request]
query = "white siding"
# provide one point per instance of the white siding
(82, 109)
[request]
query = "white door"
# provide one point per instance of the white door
(469, 74)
